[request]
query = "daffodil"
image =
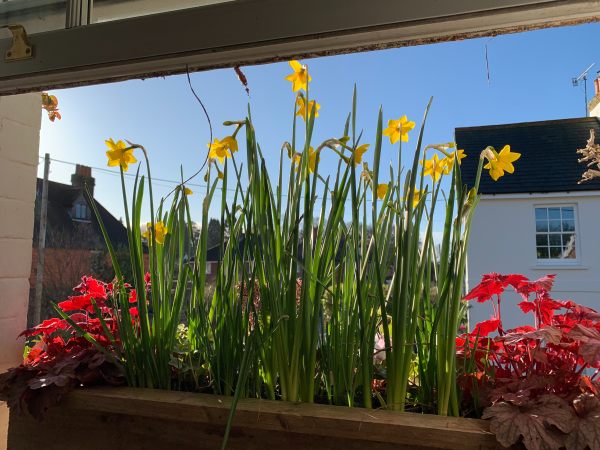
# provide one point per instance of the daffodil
(433, 167)
(312, 105)
(359, 152)
(187, 191)
(448, 161)
(398, 129)
(416, 197)
(313, 157)
(382, 191)
(502, 162)
(221, 149)
(300, 77)
(160, 231)
(119, 154)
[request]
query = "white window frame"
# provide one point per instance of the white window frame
(542, 262)
(81, 207)
(193, 39)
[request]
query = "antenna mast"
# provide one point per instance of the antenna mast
(580, 78)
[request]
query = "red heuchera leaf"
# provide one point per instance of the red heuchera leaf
(494, 284)
(543, 307)
(580, 312)
(586, 431)
(77, 303)
(532, 421)
(548, 334)
(539, 286)
(93, 287)
(482, 329)
(46, 327)
(589, 347)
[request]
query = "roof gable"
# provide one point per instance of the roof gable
(61, 198)
(549, 158)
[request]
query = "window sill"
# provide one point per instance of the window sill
(558, 266)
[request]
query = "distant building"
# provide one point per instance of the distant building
(73, 236)
(538, 220)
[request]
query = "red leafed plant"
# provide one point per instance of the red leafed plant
(539, 383)
(80, 348)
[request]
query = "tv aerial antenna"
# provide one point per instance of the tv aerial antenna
(583, 78)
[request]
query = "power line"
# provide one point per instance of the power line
(176, 183)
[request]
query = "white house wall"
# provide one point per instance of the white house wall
(503, 241)
(20, 118)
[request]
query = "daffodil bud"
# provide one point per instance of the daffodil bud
(488, 154)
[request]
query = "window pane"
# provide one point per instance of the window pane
(555, 225)
(568, 240)
(555, 239)
(541, 240)
(554, 213)
(568, 213)
(542, 252)
(36, 16)
(541, 213)
(541, 226)
(569, 252)
(568, 225)
(555, 252)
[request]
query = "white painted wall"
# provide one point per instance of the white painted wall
(20, 119)
(503, 241)
(595, 111)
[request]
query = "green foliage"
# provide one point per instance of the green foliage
(301, 296)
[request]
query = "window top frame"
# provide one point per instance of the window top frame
(147, 46)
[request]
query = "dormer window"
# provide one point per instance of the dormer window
(81, 211)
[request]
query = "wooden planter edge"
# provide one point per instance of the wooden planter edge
(302, 418)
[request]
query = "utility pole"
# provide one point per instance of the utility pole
(39, 276)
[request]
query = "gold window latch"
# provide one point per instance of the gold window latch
(20, 48)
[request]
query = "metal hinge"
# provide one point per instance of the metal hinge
(20, 48)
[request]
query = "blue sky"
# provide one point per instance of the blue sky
(530, 79)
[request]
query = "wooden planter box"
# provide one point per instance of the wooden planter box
(125, 418)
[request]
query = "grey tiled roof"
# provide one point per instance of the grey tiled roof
(549, 158)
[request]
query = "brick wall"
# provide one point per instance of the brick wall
(20, 119)
(63, 269)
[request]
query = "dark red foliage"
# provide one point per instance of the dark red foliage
(494, 284)
(60, 358)
(521, 370)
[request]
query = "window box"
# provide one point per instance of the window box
(126, 418)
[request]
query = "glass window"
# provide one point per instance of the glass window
(555, 233)
(81, 211)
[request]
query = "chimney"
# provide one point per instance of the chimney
(594, 105)
(82, 178)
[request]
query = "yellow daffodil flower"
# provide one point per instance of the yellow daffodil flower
(416, 198)
(187, 191)
(382, 191)
(313, 157)
(433, 167)
(119, 154)
(359, 152)
(221, 149)
(502, 162)
(300, 77)
(160, 232)
(448, 161)
(312, 105)
(398, 129)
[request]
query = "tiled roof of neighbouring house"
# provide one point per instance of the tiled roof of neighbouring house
(63, 231)
(549, 158)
